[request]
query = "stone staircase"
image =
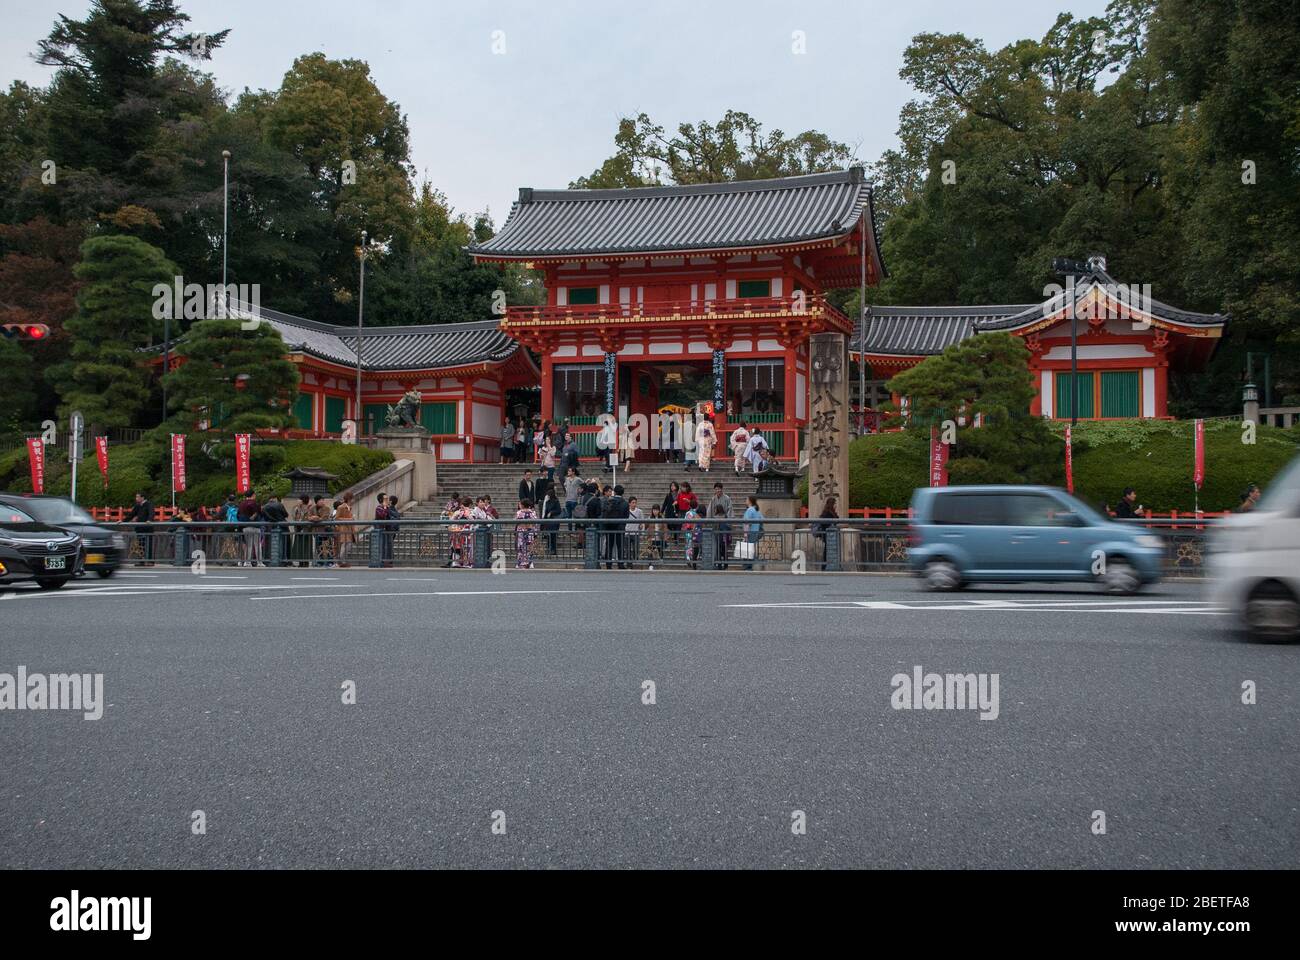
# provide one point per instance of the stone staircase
(648, 482)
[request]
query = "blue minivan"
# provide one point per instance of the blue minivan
(1007, 534)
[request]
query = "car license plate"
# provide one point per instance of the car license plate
(56, 563)
(94, 558)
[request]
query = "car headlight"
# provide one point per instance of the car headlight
(1148, 541)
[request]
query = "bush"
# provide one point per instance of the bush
(146, 466)
(1154, 456)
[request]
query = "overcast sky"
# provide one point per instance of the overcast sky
(545, 111)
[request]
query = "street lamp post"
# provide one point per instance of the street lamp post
(225, 217)
(361, 308)
(1071, 269)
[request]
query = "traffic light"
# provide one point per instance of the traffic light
(25, 331)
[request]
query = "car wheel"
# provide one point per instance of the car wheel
(46, 583)
(1120, 577)
(105, 572)
(942, 576)
(1272, 613)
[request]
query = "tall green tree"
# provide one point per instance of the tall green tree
(734, 148)
(106, 375)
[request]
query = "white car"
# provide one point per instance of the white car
(1255, 561)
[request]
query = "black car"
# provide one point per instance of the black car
(105, 549)
(36, 551)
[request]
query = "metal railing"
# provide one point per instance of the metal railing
(852, 545)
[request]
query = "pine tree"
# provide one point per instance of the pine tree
(107, 376)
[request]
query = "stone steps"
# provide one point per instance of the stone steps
(648, 482)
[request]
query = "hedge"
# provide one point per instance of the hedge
(1153, 456)
(146, 466)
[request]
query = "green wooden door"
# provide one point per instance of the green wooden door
(335, 409)
(1120, 395)
(439, 418)
(1063, 396)
(302, 411)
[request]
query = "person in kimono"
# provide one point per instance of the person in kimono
(462, 534)
(756, 452)
(740, 444)
(706, 438)
(525, 534)
(694, 533)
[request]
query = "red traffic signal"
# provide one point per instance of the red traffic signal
(25, 331)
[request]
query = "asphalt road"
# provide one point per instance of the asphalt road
(524, 694)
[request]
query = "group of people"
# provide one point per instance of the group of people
(300, 527)
(555, 447)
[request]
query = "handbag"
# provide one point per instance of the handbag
(744, 550)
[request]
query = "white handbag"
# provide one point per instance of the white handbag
(744, 550)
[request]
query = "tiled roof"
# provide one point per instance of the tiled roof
(921, 331)
(709, 216)
(424, 347)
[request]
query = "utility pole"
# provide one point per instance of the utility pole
(361, 307)
(1069, 269)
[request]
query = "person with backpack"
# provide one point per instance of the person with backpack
(616, 511)
(274, 515)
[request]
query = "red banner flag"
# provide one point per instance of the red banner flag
(243, 464)
(178, 461)
(101, 454)
(938, 460)
(1069, 460)
(1198, 470)
(36, 458)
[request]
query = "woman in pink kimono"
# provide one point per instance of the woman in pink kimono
(525, 534)
(740, 444)
(706, 438)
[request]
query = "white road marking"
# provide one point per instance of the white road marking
(420, 593)
(1181, 607)
(157, 589)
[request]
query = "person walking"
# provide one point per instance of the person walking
(825, 521)
(1249, 497)
(507, 442)
(635, 530)
(525, 534)
(570, 455)
(573, 485)
(669, 508)
(248, 513)
(706, 438)
(462, 536)
(757, 451)
(1128, 508)
(721, 532)
(753, 530)
(390, 540)
(548, 458)
(274, 516)
(720, 498)
(528, 487)
(656, 536)
(693, 532)
(616, 511)
(740, 444)
(346, 535)
(142, 511)
(550, 512)
(300, 539)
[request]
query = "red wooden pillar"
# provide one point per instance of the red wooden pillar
(548, 400)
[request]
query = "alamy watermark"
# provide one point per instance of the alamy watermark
(55, 691)
(946, 691)
(179, 300)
